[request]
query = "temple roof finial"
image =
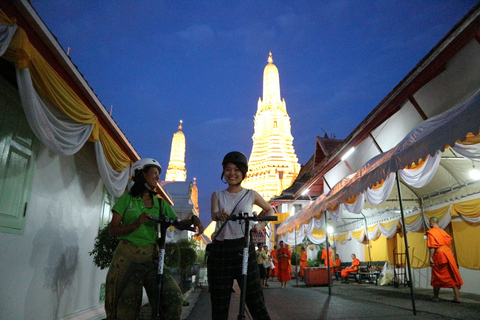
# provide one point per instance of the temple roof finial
(270, 59)
(180, 126)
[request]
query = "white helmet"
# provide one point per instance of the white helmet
(142, 163)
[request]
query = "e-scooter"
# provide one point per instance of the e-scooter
(246, 218)
(163, 223)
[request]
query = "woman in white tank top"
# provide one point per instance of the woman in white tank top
(225, 259)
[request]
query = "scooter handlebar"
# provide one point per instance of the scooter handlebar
(170, 222)
(241, 216)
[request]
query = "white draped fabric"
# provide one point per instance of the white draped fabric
(417, 225)
(380, 195)
(420, 177)
(337, 214)
(471, 152)
(428, 138)
(58, 132)
(357, 206)
(388, 232)
(115, 181)
(6, 35)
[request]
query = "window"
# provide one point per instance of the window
(297, 207)
(106, 214)
(17, 158)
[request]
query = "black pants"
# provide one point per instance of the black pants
(224, 265)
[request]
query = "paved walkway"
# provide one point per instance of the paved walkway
(348, 301)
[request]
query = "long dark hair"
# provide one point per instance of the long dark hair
(139, 186)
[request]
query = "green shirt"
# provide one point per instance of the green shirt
(130, 208)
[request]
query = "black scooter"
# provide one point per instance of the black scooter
(163, 223)
(244, 216)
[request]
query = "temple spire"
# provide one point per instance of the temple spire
(176, 167)
(273, 164)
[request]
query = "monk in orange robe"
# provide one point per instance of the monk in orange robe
(330, 261)
(445, 272)
(353, 268)
(337, 264)
(283, 257)
(273, 254)
(303, 262)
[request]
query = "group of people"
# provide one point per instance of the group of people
(135, 261)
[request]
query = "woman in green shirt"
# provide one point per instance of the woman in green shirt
(134, 264)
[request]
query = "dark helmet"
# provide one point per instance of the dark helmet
(235, 157)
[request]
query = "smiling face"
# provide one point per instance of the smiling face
(151, 176)
(232, 174)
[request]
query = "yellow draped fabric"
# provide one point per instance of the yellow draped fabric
(280, 217)
(6, 20)
(341, 237)
(467, 241)
(52, 87)
(117, 159)
(352, 199)
(418, 250)
(319, 233)
(413, 218)
(378, 185)
(334, 208)
(471, 139)
(469, 208)
(378, 249)
(357, 234)
(388, 224)
(420, 164)
(437, 213)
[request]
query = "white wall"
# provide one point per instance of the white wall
(353, 246)
(46, 273)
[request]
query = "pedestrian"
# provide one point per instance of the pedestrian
(283, 257)
(445, 273)
(273, 254)
(135, 261)
(302, 262)
(266, 264)
(225, 260)
(261, 258)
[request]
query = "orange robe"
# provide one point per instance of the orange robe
(274, 272)
(336, 265)
(303, 263)
(284, 265)
(346, 272)
(445, 272)
(330, 261)
(324, 257)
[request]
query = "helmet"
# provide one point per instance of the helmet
(139, 165)
(235, 157)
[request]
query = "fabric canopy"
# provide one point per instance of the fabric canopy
(415, 158)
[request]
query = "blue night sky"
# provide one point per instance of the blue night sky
(161, 61)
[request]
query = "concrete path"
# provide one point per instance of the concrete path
(348, 301)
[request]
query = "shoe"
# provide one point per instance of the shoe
(266, 285)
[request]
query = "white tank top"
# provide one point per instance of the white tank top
(227, 201)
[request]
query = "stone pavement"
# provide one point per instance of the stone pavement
(348, 301)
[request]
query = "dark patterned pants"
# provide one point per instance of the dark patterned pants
(224, 265)
(131, 270)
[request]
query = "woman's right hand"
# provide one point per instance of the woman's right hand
(144, 217)
(222, 215)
